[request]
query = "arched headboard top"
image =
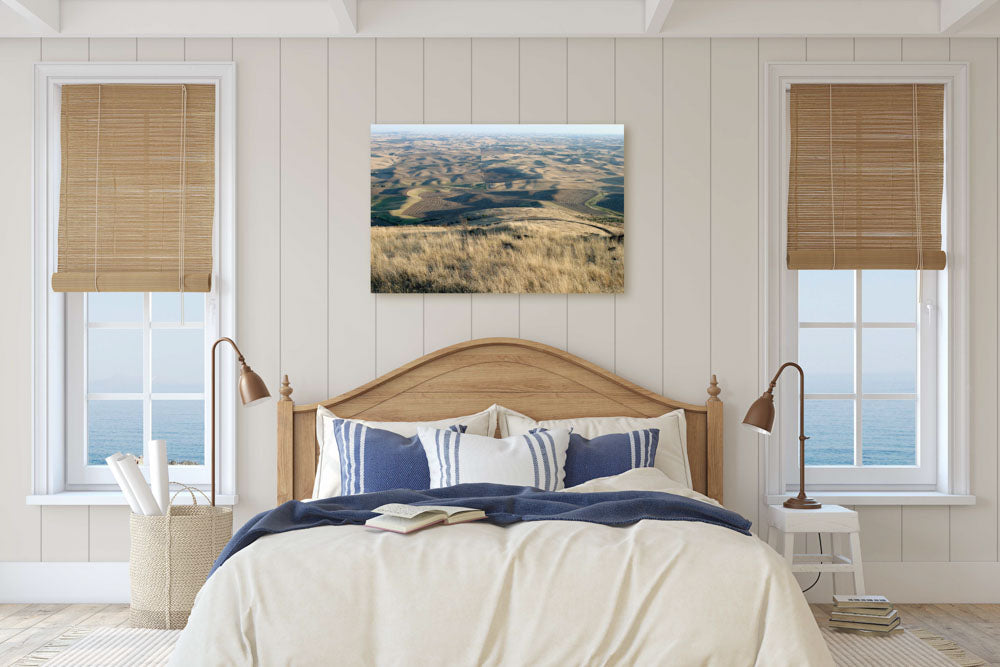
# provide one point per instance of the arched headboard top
(536, 379)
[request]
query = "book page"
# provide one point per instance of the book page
(405, 511)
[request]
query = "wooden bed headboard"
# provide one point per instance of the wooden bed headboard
(540, 381)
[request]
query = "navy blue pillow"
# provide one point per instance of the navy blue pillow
(372, 459)
(610, 454)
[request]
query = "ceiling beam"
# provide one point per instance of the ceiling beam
(958, 14)
(656, 15)
(347, 15)
(43, 14)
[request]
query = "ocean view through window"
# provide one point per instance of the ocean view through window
(145, 374)
(858, 343)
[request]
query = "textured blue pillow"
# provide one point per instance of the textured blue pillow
(610, 454)
(372, 459)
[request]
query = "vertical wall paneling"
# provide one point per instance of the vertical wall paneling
(735, 239)
(57, 543)
(830, 48)
(543, 100)
(768, 50)
(16, 58)
(65, 531)
(352, 305)
(303, 221)
(693, 300)
(925, 532)
(687, 201)
(160, 48)
(399, 99)
(590, 98)
(55, 50)
(881, 535)
(112, 48)
(258, 297)
(447, 99)
(878, 49)
(108, 537)
(495, 99)
(926, 49)
(974, 529)
(923, 528)
(208, 49)
(639, 312)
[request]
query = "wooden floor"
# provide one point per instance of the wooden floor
(26, 627)
(974, 627)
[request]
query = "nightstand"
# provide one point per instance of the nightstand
(832, 519)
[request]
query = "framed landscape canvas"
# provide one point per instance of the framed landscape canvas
(498, 208)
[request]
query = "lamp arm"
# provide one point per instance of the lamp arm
(801, 498)
(241, 360)
(238, 353)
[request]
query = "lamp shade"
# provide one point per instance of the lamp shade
(252, 388)
(760, 416)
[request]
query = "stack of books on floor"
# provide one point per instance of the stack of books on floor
(864, 613)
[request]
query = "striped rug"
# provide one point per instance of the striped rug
(99, 647)
(914, 648)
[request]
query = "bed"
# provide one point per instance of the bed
(546, 592)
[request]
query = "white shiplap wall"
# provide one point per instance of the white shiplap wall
(690, 107)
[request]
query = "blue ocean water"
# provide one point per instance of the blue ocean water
(888, 432)
(116, 426)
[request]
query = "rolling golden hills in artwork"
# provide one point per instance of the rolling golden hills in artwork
(505, 209)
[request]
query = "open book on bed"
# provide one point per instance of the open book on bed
(402, 518)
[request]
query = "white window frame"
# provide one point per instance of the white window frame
(945, 311)
(50, 482)
(921, 476)
(80, 475)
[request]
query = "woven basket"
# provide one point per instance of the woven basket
(170, 559)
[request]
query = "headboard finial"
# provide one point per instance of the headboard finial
(713, 389)
(286, 389)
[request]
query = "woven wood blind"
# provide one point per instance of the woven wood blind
(866, 176)
(137, 194)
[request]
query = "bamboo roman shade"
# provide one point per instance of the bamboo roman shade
(866, 176)
(137, 193)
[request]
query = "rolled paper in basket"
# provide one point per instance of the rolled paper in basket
(147, 503)
(112, 462)
(158, 474)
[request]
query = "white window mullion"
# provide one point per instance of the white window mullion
(147, 374)
(858, 387)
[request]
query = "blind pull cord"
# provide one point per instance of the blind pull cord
(916, 184)
(97, 187)
(833, 204)
(180, 243)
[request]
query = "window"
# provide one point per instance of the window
(884, 350)
(140, 359)
(115, 369)
(861, 339)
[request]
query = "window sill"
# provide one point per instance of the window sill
(881, 498)
(115, 498)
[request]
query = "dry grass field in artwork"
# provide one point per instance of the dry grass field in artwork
(507, 209)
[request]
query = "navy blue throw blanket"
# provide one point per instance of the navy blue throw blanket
(502, 503)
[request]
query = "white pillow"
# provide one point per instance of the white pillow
(327, 482)
(536, 459)
(671, 452)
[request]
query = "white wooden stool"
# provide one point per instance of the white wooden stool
(832, 519)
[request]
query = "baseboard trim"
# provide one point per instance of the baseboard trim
(944, 582)
(54, 583)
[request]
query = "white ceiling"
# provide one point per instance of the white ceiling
(492, 18)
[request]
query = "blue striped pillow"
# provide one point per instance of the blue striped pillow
(608, 455)
(372, 459)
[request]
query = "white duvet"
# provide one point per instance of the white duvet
(538, 593)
